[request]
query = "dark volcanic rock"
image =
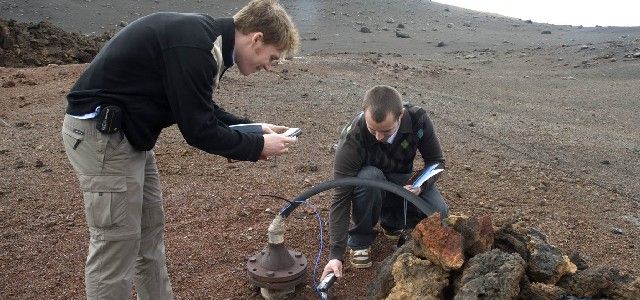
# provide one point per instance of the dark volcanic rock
(477, 235)
(492, 275)
(383, 283)
(601, 282)
(579, 260)
(542, 291)
(401, 34)
(29, 44)
(545, 263)
(512, 237)
(8, 84)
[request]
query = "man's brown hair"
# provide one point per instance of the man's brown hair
(268, 17)
(382, 100)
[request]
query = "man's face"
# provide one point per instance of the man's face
(384, 130)
(255, 55)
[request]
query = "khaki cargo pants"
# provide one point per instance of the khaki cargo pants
(123, 208)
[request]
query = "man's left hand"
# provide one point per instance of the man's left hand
(270, 128)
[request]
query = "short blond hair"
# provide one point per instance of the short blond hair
(268, 17)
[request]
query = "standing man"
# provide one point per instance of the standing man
(380, 144)
(158, 71)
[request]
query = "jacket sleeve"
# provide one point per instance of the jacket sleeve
(227, 117)
(348, 162)
(188, 80)
(429, 147)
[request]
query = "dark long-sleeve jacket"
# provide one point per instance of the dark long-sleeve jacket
(161, 70)
(358, 148)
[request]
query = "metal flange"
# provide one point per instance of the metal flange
(277, 267)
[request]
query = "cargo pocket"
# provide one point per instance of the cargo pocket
(105, 200)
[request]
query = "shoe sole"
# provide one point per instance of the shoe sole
(393, 238)
(362, 266)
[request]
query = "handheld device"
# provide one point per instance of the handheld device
(109, 119)
(293, 132)
(325, 284)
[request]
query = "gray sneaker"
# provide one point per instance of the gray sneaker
(392, 235)
(361, 259)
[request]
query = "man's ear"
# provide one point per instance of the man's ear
(256, 37)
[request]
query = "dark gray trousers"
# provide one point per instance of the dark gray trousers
(370, 205)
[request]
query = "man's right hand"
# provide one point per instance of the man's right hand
(335, 266)
(276, 144)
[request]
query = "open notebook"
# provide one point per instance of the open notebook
(426, 173)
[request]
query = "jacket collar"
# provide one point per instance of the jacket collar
(406, 124)
(228, 33)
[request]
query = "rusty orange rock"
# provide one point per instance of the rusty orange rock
(441, 245)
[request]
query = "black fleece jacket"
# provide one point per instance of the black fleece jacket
(161, 70)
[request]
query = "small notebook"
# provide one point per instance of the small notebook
(248, 128)
(426, 173)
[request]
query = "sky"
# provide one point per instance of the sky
(560, 12)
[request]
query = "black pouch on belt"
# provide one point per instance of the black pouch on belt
(109, 119)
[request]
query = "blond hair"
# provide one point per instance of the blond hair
(268, 17)
(382, 100)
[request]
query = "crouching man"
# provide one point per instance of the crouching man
(380, 143)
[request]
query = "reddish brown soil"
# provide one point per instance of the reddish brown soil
(534, 127)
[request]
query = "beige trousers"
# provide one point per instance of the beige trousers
(123, 208)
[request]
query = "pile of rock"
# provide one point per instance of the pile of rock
(29, 44)
(467, 258)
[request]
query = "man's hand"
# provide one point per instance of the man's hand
(275, 144)
(415, 191)
(335, 266)
(270, 128)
